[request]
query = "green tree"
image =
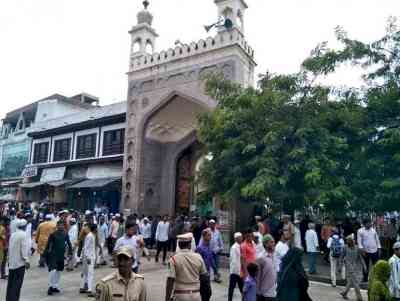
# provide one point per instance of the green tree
(284, 141)
(375, 176)
(298, 142)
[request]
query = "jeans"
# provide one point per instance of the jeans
(233, 280)
(312, 260)
(216, 266)
(14, 284)
(370, 257)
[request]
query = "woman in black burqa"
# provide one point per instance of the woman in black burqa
(292, 279)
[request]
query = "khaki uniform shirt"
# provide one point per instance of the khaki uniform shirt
(186, 267)
(115, 288)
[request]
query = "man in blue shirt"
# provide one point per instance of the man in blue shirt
(204, 249)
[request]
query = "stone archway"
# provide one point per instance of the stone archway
(168, 134)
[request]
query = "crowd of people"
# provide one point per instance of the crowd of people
(70, 240)
(358, 250)
(265, 261)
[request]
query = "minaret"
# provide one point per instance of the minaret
(143, 35)
(233, 10)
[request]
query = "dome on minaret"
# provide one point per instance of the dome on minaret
(144, 16)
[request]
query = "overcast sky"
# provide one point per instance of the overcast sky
(70, 46)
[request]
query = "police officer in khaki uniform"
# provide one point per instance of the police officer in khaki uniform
(185, 268)
(123, 285)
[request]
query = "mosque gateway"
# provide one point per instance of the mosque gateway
(165, 96)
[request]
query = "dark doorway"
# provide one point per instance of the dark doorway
(185, 175)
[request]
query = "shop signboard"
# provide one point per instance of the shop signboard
(29, 172)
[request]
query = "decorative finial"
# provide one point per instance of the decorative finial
(146, 4)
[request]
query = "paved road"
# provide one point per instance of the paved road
(35, 286)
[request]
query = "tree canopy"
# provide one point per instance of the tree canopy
(298, 142)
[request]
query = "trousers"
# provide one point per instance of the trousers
(312, 259)
(88, 274)
(162, 245)
(352, 282)
(335, 265)
(14, 284)
(216, 266)
(54, 278)
(370, 257)
(101, 258)
(72, 260)
(234, 280)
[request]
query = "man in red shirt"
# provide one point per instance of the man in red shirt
(248, 252)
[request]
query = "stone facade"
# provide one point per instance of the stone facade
(165, 95)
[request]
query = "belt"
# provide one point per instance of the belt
(182, 292)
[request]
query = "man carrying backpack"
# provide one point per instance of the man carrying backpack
(336, 246)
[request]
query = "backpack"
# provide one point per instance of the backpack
(336, 247)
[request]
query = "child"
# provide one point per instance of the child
(250, 289)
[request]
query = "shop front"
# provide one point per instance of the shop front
(101, 192)
(78, 187)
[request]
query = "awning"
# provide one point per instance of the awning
(31, 185)
(52, 183)
(95, 183)
(10, 183)
(8, 197)
(61, 183)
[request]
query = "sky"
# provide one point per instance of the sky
(71, 46)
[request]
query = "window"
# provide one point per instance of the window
(62, 150)
(113, 143)
(41, 153)
(86, 146)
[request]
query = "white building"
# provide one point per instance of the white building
(77, 160)
(14, 141)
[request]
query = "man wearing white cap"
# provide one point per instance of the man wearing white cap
(114, 227)
(235, 266)
(145, 230)
(18, 261)
(42, 236)
(394, 282)
(73, 233)
(89, 261)
(217, 246)
(102, 237)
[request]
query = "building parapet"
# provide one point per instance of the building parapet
(223, 39)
